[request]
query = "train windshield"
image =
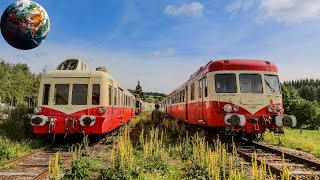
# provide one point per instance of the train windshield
(250, 83)
(79, 94)
(225, 83)
(61, 94)
(272, 84)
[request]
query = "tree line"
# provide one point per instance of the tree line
(19, 86)
(308, 89)
(302, 99)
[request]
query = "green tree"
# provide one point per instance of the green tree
(139, 90)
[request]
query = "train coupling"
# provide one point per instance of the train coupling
(286, 120)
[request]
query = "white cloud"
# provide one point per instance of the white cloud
(166, 53)
(289, 11)
(239, 5)
(191, 9)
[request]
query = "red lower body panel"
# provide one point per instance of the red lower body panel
(110, 120)
(212, 114)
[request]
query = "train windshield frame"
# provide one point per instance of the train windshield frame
(225, 83)
(250, 83)
(272, 84)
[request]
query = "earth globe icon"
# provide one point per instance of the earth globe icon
(25, 24)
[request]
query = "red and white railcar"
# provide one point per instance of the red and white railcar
(75, 100)
(233, 96)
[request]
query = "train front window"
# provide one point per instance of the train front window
(61, 94)
(95, 94)
(225, 83)
(250, 83)
(79, 94)
(46, 93)
(272, 84)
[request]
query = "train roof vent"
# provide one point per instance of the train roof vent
(103, 69)
(73, 64)
(226, 61)
(267, 62)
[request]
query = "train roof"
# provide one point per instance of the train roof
(75, 73)
(76, 68)
(232, 64)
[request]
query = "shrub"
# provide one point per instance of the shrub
(80, 169)
(153, 164)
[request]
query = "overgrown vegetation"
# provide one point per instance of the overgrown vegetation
(16, 138)
(18, 92)
(168, 152)
(304, 140)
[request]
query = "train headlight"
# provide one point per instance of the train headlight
(37, 110)
(101, 110)
(235, 108)
(277, 109)
(227, 108)
(270, 109)
(38, 120)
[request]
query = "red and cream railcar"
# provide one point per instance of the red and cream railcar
(233, 96)
(75, 100)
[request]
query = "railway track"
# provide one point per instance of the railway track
(35, 165)
(278, 161)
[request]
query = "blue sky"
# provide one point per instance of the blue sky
(161, 43)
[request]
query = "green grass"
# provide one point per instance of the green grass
(308, 141)
(16, 139)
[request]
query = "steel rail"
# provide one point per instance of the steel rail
(23, 157)
(275, 170)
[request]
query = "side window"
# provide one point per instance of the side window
(79, 94)
(115, 96)
(95, 94)
(192, 92)
(46, 93)
(110, 95)
(119, 97)
(183, 95)
(61, 94)
(205, 82)
(200, 88)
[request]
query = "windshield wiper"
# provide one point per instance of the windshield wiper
(272, 90)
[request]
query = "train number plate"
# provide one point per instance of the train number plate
(252, 107)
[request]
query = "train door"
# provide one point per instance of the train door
(200, 101)
(186, 100)
(121, 103)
